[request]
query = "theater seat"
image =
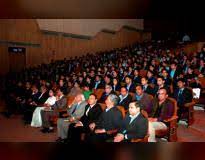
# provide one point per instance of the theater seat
(171, 132)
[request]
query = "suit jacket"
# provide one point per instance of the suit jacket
(93, 115)
(136, 129)
(77, 112)
(132, 88)
(125, 102)
(34, 97)
(60, 104)
(109, 120)
(176, 74)
(117, 87)
(185, 97)
(146, 103)
(149, 90)
(43, 98)
(165, 111)
(101, 85)
(137, 80)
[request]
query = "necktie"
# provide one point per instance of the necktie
(87, 111)
(180, 92)
(74, 108)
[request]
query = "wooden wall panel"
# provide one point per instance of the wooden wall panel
(64, 47)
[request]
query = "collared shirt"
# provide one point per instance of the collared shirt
(138, 97)
(172, 73)
(145, 87)
(107, 109)
(128, 87)
(91, 106)
(180, 91)
(122, 98)
(96, 84)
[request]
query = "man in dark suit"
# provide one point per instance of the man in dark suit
(135, 125)
(46, 114)
(182, 95)
(125, 98)
(146, 88)
(92, 112)
(137, 78)
(110, 119)
(161, 84)
(162, 109)
(144, 99)
(37, 98)
(129, 85)
(175, 73)
(108, 91)
(98, 84)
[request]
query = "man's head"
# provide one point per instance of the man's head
(111, 101)
(173, 66)
(108, 89)
(92, 99)
(164, 73)
(150, 74)
(139, 90)
(136, 72)
(79, 98)
(115, 81)
(162, 94)
(61, 83)
(181, 83)
(160, 81)
(128, 80)
(43, 89)
(144, 81)
(123, 91)
(134, 108)
(59, 92)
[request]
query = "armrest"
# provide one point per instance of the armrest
(171, 119)
(65, 115)
(110, 132)
(189, 104)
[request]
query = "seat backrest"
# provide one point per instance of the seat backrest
(98, 93)
(202, 81)
(132, 95)
(175, 105)
(70, 100)
(102, 105)
(122, 110)
(143, 73)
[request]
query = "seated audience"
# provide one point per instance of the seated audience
(135, 125)
(108, 91)
(182, 95)
(124, 98)
(162, 109)
(36, 119)
(146, 87)
(75, 112)
(48, 113)
(91, 114)
(144, 99)
(110, 119)
(116, 85)
(129, 84)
